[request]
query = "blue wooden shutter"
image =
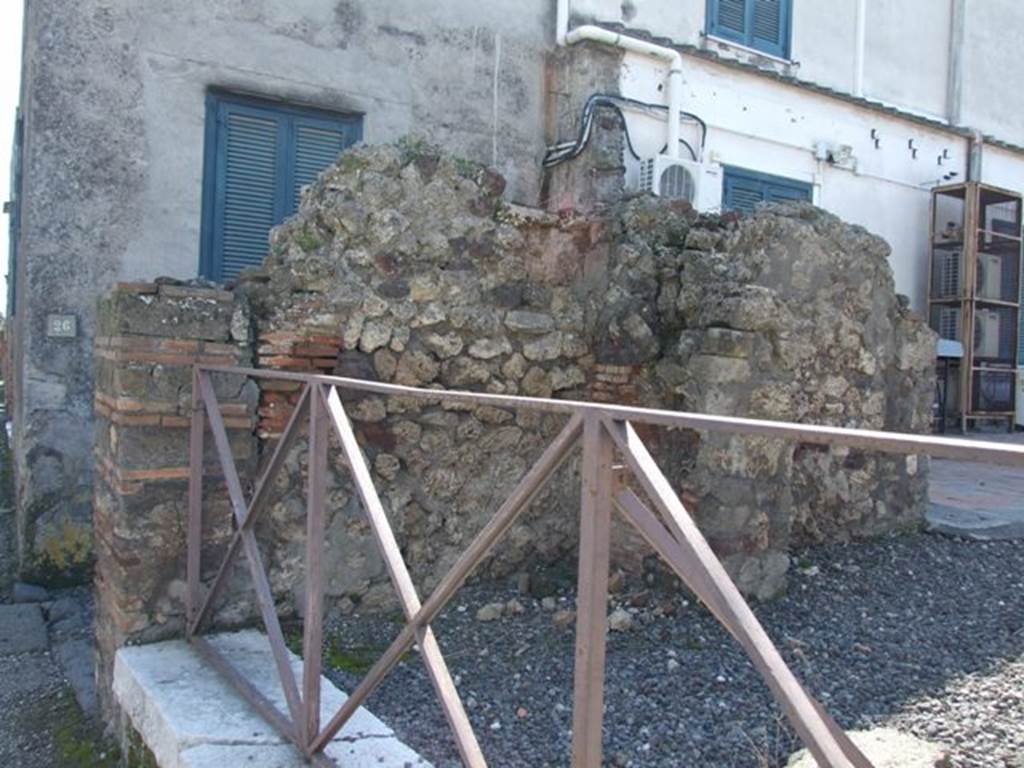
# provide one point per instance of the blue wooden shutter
(769, 26)
(743, 189)
(247, 190)
(316, 146)
(728, 19)
(778, 193)
(742, 194)
(760, 24)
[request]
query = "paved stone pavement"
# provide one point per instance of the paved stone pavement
(47, 695)
(980, 501)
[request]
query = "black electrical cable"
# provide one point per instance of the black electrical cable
(570, 150)
(686, 144)
(662, 108)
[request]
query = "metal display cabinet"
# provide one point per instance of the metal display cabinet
(974, 296)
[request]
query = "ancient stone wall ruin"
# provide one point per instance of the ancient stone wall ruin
(404, 265)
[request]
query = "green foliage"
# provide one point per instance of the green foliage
(467, 169)
(77, 742)
(293, 639)
(351, 162)
(307, 241)
(414, 147)
(356, 660)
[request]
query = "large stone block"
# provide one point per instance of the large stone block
(177, 312)
(189, 716)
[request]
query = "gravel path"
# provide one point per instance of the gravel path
(31, 694)
(920, 632)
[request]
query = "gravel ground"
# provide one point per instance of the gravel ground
(31, 692)
(918, 632)
(47, 694)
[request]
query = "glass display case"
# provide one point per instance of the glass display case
(974, 297)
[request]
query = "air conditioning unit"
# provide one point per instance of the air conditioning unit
(678, 179)
(947, 273)
(949, 323)
(986, 333)
(990, 276)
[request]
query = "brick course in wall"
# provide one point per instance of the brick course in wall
(149, 338)
(296, 351)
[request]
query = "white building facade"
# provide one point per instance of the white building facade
(864, 104)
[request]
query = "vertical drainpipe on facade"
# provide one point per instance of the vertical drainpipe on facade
(564, 36)
(859, 45)
(955, 87)
(975, 147)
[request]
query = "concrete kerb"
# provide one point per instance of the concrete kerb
(189, 716)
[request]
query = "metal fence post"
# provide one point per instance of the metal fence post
(592, 593)
(312, 631)
(195, 504)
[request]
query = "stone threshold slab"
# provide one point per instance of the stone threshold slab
(190, 717)
(995, 524)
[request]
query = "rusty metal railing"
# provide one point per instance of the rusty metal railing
(609, 442)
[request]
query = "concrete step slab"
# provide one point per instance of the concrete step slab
(992, 524)
(190, 717)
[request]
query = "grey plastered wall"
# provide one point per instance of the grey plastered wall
(114, 117)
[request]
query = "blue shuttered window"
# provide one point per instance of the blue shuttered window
(259, 156)
(743, 190)
(760, 24)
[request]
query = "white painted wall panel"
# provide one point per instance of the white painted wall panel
(906, 59)
(993, 93)
(773, 127)
(680, 20)
(824, 44)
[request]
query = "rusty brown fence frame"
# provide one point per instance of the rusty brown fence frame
(611, 447)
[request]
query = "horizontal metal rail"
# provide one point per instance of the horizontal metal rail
(609, 442)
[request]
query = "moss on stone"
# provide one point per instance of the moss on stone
(356, 660)
(68, 546)
(467, 169)
(307, 241)
(413, 148)
(350, 162)
(138, 755)
(77, 740)
(63, 550)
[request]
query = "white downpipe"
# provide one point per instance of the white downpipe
(955, 84)
(561, 21)
(859, 48)
(626, 43)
